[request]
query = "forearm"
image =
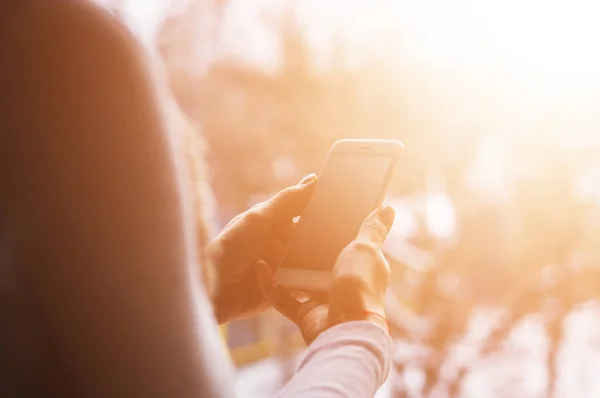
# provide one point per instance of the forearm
(348, 360)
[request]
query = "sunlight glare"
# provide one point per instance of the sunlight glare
(549, 45)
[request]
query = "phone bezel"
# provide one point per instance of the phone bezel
(312, 280)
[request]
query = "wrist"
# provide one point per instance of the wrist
(376, 317)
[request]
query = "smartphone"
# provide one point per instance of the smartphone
(351, 184)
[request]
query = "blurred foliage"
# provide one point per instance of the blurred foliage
(535, 245)
(251, 117)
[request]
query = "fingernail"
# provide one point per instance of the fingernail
(387, 214)
(307, 179)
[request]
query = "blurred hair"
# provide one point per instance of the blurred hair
(191, 146)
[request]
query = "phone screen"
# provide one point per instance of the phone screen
(349, 188)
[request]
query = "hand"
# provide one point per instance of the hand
(260, 233)
(359, 283)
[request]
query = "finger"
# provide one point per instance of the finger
(233, 221)
(320, 297)
(283, 231)
(282, 302)
(294, 197)
(306, 308)
(291, 201)
(307, 179)
(301, 296)
(274, 253)
(376, 226)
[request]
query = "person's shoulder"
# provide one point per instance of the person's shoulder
(68, 23)
(82, 13)
(67, 55)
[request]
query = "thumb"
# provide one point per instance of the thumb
(377, 226)
(291, 201)
(282, 302)
(264, 276)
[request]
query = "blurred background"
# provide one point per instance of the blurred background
(496, 249)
